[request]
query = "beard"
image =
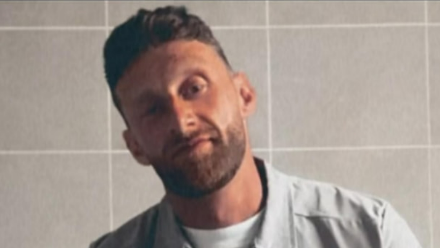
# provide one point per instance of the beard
(195, 174)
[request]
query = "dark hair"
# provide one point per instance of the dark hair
(149, 29)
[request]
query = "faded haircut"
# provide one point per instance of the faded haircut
(149, 29)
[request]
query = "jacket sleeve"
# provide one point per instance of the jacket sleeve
(395, 232)
(96, 243)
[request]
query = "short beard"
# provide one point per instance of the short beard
(195, 177)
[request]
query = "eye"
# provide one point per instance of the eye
(153, 109)
(194, 88)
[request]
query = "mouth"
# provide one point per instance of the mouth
(190, 145)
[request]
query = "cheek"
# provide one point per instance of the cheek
(222, 108)
(151, 139)
(149, 136)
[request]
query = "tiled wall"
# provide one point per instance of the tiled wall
(348, 93)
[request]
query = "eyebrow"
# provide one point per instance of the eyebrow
(146, 97)
(149, 96)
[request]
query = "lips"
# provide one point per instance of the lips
(195, 141)
(189, 144)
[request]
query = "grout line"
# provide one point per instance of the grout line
(260, 150)
(361, 25)
(348, 148)
(238, 27)
(427, 71)
(274, 149)
(269, 84)
(430, 199)
(109, 129)
(73, 152)
(83, 152)
(120, 151)
(53, 28)
(258, 27)
(433, 24)
(51, 152)
(428, 112)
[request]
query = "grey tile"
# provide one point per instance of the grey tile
(434, 56)
(219, 13)
(398, 176)
(135, 188)
(348, 87)
(52, 13)
(263, 155)
(53, 200)
(242, 48)
(246, 51)
(434, 11)
(118, 126)
(53, 93)
(435, 165)
(344, 12)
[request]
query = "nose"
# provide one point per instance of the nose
(183, 118)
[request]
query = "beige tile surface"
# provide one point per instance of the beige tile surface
(118, 127)
(135, 188)
(434, 82)
(246, 51)
(263, 155)
(398, 176)
(53, 93)
(345, 12)
(348, 87)
(435, 165)
(218, 13)
(433, 11)
(241, 48)
(330, 87)
(52, 13)
(53, 200)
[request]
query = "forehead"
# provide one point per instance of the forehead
(161, 66)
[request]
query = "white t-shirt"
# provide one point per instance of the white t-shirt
(240, 235)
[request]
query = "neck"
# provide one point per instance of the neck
(240, 199)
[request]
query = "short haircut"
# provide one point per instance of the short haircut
(149, 29)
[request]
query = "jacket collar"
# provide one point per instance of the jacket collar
(277, 224)
(278, 221)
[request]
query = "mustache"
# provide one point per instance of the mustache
(179, 139)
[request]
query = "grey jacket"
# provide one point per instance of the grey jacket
(299, 213)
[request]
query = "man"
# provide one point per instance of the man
(186, 111)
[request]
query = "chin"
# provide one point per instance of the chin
(204, 168)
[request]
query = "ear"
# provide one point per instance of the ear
(247, 95)
(134, 148)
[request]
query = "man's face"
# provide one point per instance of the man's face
(186, 116)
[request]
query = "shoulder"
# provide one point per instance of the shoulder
(324, 206)
(318, 199)
(137, 230)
